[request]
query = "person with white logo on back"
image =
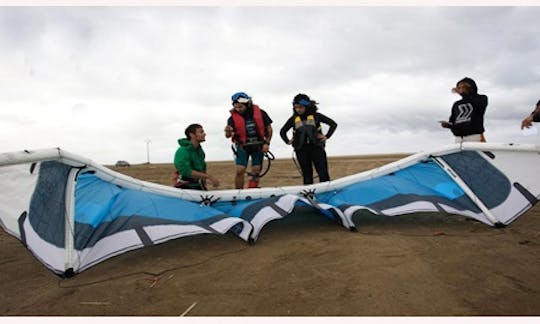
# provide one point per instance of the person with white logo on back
(467, 118)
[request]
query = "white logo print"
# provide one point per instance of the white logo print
(465, 111)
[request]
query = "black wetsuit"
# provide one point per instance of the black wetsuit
(308, 148)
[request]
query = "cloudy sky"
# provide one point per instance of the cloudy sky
(101, 81)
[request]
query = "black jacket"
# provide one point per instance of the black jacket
(536, 116)
(467, 116)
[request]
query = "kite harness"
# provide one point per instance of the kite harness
(269, 156)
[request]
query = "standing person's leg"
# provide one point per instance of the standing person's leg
(303, 156)
(241, 163)
(321, 163)
(256, 164)
(239, 176)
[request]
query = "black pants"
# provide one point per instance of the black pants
(309, 155)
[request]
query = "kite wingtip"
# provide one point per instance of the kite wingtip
(499, 225)
(68, 273)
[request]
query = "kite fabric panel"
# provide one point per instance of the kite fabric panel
(73, 213)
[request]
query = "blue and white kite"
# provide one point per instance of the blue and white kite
(73, 213)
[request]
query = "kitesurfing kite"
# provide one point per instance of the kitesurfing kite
(72, 213)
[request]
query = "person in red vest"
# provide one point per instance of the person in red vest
(250, 129)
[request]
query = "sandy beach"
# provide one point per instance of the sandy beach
(423, 264)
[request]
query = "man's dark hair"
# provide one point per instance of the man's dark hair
(191, 129)
(538, 103)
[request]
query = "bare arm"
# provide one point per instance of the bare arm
(267, 138)
(229, 131)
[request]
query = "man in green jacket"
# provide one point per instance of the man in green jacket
(189, 161)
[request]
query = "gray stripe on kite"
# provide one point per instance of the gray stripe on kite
(143, 236)
(526, 193)
(4, 226)
(87, 236)
(250, 211)
(21, 220)
(279, 210)
(439, 208)
(207, 223)
(206, 227)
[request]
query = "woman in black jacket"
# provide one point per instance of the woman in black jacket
(308, 140)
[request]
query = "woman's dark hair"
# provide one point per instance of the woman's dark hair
(304, 100)
(191, 129)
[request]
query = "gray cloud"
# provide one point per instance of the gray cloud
(100, 80)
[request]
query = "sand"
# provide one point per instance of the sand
(425, 264)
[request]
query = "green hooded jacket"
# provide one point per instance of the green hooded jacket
(188, 158)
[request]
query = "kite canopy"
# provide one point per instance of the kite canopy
(73, 213)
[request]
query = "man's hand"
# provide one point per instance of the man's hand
(322, 138)
(229, 131)
(213, 180)
(445, 124)
(527, 122)
(265, 147)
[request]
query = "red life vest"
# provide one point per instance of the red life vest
(240, 134)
